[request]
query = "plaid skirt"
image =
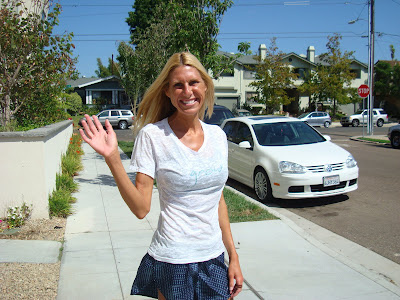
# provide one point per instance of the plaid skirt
(204, 280)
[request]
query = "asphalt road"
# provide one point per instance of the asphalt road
(368, 216)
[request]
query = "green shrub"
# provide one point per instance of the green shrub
(60, 203)
(66, 182)
(61, 199)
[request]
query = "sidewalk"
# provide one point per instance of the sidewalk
(104, 244)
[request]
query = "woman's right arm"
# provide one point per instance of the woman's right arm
(104, 142)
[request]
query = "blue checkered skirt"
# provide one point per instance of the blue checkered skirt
(206, 280)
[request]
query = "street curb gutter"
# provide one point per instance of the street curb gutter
(366, 262)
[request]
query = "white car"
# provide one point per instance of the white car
(286, 158)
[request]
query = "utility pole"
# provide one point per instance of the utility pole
(370, 124)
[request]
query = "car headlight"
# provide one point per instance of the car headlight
(291, 167)
(351, 162)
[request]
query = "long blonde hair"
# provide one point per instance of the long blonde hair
(156, 106)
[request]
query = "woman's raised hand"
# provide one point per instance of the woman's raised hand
(102, 141)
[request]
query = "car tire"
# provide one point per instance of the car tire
(262, 186)
(355, 123)
(327, 124)
(395, 140)
(379, 123)
(123, 125)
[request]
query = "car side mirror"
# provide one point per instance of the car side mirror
(327, 137)
(245, 144)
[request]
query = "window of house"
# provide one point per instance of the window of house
(251, 96)
(357, 72)
(229, 73)
(249, 74)
(300, 72)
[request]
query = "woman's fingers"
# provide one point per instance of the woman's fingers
(96, 121)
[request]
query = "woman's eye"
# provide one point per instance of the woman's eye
(194, 82)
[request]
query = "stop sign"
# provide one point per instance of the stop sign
(363, 91)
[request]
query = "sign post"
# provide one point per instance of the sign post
(363, 92)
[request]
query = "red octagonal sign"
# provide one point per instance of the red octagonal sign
(363, 91)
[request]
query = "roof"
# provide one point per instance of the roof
(264, 119)
(83, 82)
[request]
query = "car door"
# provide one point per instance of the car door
(313, 119)
(114, 118)
(230, 131)
(244, 157)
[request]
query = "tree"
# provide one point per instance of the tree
(34, 62)
(392, 51)
(333, 77)
(103, 71)
(174, 22)
(387, 85)
(273, 78)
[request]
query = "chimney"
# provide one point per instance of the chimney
(262, 51)
(311, 53)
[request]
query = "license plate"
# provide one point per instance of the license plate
(331, 180)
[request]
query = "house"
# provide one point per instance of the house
(107, 92)
(233, 89)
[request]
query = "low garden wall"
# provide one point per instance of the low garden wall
(29, 162)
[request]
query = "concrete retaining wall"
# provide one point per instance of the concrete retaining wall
(29, 162)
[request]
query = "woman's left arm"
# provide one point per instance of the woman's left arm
(234, 271)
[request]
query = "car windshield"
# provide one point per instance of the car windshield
(286, 133)
(358, 112)
(302, 115)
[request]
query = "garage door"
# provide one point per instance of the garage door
(229, 102)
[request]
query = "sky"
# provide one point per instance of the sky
(100, 25)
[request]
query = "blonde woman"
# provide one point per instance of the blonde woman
(188, 158)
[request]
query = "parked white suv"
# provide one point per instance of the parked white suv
(394, 136)
(121, 118)
(361, 117)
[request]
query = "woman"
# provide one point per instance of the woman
(189, 160)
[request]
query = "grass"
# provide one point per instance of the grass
(375, 140)
(127, 147)
(239, 209)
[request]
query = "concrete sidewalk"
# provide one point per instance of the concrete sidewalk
(105, 242)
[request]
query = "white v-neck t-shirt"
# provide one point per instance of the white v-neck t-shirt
(190, 184)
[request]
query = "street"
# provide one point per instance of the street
(368, 216)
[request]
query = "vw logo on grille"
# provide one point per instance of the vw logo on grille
(328, 168)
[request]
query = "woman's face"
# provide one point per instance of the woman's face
(186, 90)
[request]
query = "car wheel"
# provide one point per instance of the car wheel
(123, 125)
(327, 124)
(262, 186)
(379, 123)
(355, 123)
(395, 140)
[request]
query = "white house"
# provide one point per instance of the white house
(233, 90)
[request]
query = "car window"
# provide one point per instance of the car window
(114, 113)
(286, 133)
(302, 115)
(243, 133)
(375, 113)
(229, 129)
(218, 116)
(125, 113)
(313, 115)
(103, 114)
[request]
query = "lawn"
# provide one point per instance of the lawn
(239, 209)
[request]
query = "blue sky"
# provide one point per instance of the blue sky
(100, 25)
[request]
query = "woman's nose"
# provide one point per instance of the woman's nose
(187, 90)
